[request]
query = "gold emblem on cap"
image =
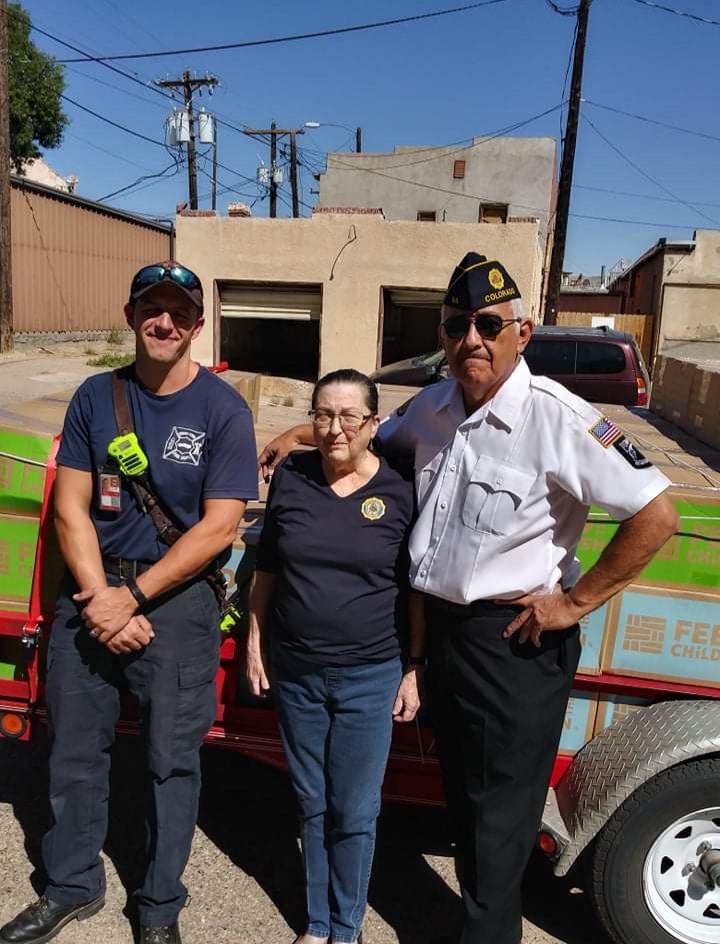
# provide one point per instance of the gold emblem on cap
(373, 508)
(495, 278)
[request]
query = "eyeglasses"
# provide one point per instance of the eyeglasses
(487, 326)
(349, 422)
(152, 274)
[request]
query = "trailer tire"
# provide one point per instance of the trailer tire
(628, 888)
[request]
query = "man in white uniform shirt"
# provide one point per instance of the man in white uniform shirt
(507, 466)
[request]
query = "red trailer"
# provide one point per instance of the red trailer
(635, 789)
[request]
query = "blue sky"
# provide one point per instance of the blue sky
(431, 82)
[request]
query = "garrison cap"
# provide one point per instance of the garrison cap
(479, 283)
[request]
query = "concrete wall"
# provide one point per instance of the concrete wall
(517, 171)
(680, 284)
(352, 257)
(691, 294)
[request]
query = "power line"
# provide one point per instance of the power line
(97, 147)
(109, 121)
(652, 121)
(116, 88)
(571, 55)
(174, 166)
(563, 11)
(89, 58)
(690, 16)
(143, 137)
(422, 186)
(645, 174)
(146, 84)
(295, 38)
(640, 196)
(612, 219)
(484, 139)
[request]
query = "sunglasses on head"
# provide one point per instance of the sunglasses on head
(487, 325)
(153, 274)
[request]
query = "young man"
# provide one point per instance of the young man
(135, 613)
(506, 466)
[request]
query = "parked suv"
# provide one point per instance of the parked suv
(599, 364)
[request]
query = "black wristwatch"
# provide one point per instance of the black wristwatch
(417, 660)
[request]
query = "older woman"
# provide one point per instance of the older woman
(331, 594)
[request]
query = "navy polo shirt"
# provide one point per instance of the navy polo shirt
(200, 442)
(341, 563)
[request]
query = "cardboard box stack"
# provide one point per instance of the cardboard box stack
(22, 480)
(688, 393)
(579, 722)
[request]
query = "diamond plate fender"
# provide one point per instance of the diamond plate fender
(625, 755)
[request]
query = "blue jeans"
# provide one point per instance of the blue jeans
(336, 726)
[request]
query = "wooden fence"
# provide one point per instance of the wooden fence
(640, 326)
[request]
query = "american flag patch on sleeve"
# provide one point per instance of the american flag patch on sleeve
(606, 432)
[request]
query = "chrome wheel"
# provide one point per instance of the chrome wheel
(680, 875)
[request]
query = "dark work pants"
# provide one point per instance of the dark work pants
(174, 682)
(498, 709)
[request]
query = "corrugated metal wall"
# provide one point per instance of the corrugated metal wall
(72, 264)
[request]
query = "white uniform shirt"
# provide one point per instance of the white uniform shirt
(503, 494)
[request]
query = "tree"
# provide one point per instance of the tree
(36, 83)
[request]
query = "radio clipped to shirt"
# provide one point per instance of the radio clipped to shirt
(126, 459)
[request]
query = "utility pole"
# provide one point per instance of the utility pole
(273, 164)
(214, 166)
(275, 134)
(6, 314)
(358, 140)
(188, 85)
(293, 175)
(562, 208)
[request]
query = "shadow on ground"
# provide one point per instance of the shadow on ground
(247, 810)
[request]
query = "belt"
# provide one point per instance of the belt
(475, 608)
(124, 568)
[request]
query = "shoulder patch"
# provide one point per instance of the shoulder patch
(606, 432)
(631, 454)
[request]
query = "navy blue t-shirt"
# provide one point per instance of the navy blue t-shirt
(200, 442)
(342, 564)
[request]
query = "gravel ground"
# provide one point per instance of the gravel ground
(38, 370)
(244, 874)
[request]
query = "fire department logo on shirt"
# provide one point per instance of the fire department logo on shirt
(373, 508)
(184, 446)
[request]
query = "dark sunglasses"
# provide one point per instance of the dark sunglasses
(153, 274)
(487, 326)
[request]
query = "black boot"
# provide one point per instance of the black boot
(44, 919)
(167, 934)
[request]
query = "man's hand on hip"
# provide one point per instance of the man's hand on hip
(108, 610)
(543, 613)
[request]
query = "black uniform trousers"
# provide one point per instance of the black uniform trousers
(498, 710)
(174, 682)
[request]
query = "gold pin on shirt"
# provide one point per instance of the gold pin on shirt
(373, 508)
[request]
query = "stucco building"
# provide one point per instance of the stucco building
(299, 297)
(493, 180)
(679, 284)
